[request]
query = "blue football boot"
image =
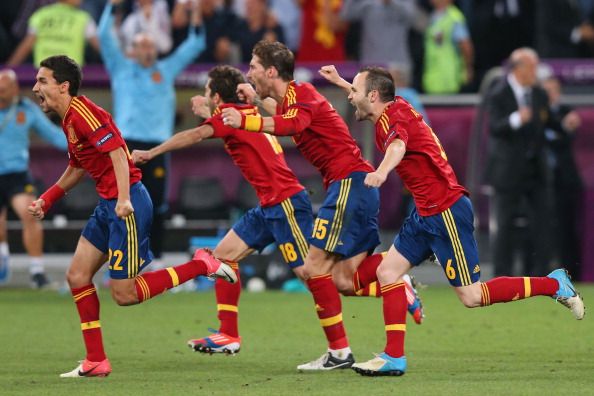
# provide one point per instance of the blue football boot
(567, 295)
(382, 364)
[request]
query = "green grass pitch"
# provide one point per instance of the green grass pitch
(531, 347)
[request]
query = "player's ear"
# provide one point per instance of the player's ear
(271, 72)
(216, 99)
(64, 87)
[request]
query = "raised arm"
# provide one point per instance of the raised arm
(111, 53)
(330, 73)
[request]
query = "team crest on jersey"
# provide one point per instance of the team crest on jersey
(156, 76)
(21, 117)
(72, 138)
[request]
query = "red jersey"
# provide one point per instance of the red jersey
(424, 170)
(319, 132)
(259, 157)
(91, 135)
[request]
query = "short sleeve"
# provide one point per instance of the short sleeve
(220, 130)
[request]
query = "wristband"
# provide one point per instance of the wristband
(53, 194)
(252, 123)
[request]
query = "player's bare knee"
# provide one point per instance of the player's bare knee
(343, 285)
(470, 296)
(124, 297)
(77, 277)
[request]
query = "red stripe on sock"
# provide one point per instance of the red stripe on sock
(328, 306)
(87, 304)
(505, 289)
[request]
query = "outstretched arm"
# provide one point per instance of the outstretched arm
(392, 158)
(179, 140)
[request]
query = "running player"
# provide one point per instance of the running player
(441, 223)
(118, 229)
(346, 230)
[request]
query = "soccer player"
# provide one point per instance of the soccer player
(346, 229)
(284, 215)
(118, 230)
(19, 115)
(442, 221)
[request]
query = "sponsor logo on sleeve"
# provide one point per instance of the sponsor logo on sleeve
(104, 139)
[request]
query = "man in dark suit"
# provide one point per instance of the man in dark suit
(516, 168)
(567, 183)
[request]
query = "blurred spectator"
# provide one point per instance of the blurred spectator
(516, 167)
(220, 23)
(322, 32)
(259, 24)
(393, 18)
(498, 27)
(144, 101)
(150, 17)
(564, 29)
(17, 116)
(449, 54)
(288, 15)
(60, 28)
(567, 183)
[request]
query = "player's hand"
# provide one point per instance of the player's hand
(200, 106)
(374, 179)
(124, 208)
(231, 117)
(330, 73)
(141, 157)
(246, 93)
(36, 209)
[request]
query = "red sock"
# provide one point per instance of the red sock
(505, 289)
(394, 318)
(227, 302)
(371, 290)
(366, 272)
(153, 283)
(329, 310)
(87, 305)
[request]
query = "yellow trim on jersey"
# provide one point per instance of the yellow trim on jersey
(132, 245)
(82, 295)
(227, 307)
(173, 275)
(373, 289)
(457, 246)
(84, 111)
(331, 321)
(527, 287)
(385, 122)
(289, 210)
(396, 327)
(90, 325)
(145, 289)
(291, 113)
(343, 195)
(291, 95)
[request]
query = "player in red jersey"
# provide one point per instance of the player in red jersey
(118, 230)
(441, 223)
(346, 230)
(283, 217)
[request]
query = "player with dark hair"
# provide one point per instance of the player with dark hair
(284, 215)
(345, 231)
(441, 223)
(118, 230)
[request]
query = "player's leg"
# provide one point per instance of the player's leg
(458, 255)
(231, 250)
(346, 228)
(32, 237)
(129, 253)
(86, 262)
(4, 250)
